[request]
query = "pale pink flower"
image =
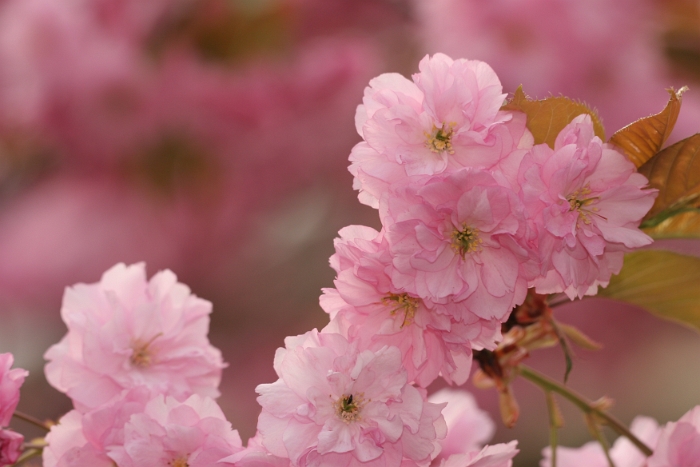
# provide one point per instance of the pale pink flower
(68, 446)
(126, 331)
(448, 117)
(10, 382)
(586, 200)
(623, 452)
(468, 427)
(10, 447)
(256, 455)
(169, 433)
(335, 404)
(497, 455)
(459, 237)
(366, 307)
(679, 443)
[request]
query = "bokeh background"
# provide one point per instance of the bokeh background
(211, 137)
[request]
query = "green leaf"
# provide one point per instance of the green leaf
(547, 117)
(675, 172)
(664, 283)
(641, 140)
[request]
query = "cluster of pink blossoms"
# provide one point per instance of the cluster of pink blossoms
(473, 213)
(138, 365)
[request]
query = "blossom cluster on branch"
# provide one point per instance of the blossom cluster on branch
(476, 210)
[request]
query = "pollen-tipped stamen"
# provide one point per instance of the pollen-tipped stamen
(440, 139)
(348, 407)
(402, 302)
(466, 240)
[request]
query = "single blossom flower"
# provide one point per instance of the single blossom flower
(168, 433)
(336, 404)
(366, 307)
(125, 332)
(459, 237)
(10, 447)
(447, 118)
(468, 430)
(623, 452)
(679, 443)
(585, 200)
(10, 382)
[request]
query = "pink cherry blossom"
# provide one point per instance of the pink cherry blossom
(10, 447)
(126, 331)
(256, 455)
(10, 382)
(336, 404)
(459, 237)
(586, 201)
(623, 452)
(448, 117)
(468, 427)
(679, 443)
(497, 455)
(169, 433)
(367, 308)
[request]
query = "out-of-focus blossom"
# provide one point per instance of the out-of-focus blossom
(335, 404)
(623, 452)
(10, 382)
(126, 331)
(368, 309)
(468, 430)
(679, 443)
(10, 447)
(459, 237)
(256, 455)
(447, 118)
(586, 201)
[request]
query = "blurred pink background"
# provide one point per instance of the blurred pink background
(211, 137)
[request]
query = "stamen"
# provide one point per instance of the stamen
(179, 462)
(404, 302)
(466, 240)
(578, 202)
(440, 139)
(141, 355)
(348, 407)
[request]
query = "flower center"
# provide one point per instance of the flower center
(142, 356)
(466, 240)
(348, 407)
(440, 139)
(404, 302)
(579, 202)
(179, 462)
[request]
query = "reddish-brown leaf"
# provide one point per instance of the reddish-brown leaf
(645, 137)
(547, 117)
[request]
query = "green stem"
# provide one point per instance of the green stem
(553, 426)
(33, 420)
(583, 404)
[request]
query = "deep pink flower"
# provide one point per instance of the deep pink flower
(10, 447)
(585, 200)
(623, 452)
(10, 382)
(125, 332)
(448, 117)
(367, 308)
(459, 237)
(679, 443)
(335, 404)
